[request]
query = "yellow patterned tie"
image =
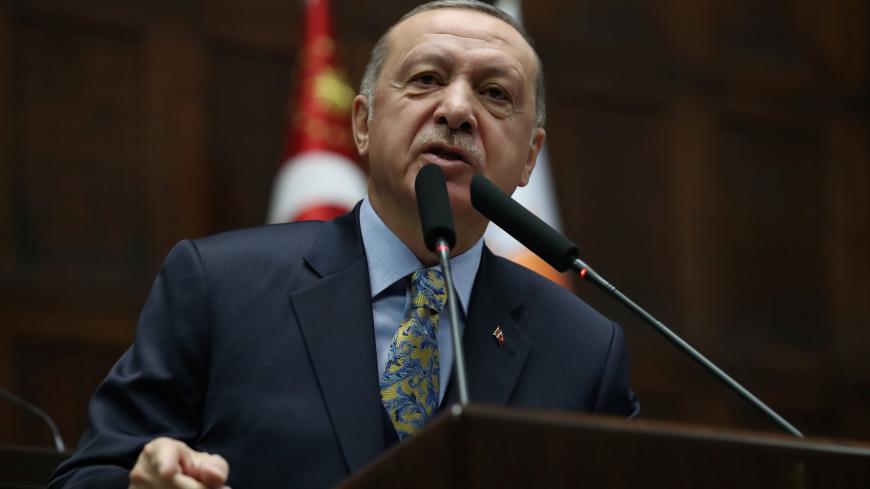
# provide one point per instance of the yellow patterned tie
(410, 384)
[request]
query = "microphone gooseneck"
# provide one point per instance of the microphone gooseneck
(562, 255)
(436, 220)
(39, 413)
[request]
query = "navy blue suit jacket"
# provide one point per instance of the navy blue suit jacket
(258, 345)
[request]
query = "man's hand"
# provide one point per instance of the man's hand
(165, 463)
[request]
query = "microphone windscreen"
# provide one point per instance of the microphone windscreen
(436, 218)
(527, 228)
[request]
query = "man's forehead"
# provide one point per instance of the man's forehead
(462, 24)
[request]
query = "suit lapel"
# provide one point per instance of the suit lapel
(493, 369)
(335, 316)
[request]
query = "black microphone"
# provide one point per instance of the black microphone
(557, 250)
(436, 217)
(436, 220)
(527, 228)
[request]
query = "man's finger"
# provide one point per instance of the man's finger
(166, 456)
(143, 473)
(212, 470)
(181, 481)
(165, 462)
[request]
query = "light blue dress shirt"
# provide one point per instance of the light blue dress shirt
(390, 263)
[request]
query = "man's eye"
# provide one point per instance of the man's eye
(426, 79)
(496, 93)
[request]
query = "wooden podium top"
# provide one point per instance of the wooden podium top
(482, 447)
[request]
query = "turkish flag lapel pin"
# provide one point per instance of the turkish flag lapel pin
(499, 336)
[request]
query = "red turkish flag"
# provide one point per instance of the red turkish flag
(320, 177)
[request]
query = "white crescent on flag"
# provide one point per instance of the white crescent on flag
(315, 180)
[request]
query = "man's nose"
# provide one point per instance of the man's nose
(456, 109)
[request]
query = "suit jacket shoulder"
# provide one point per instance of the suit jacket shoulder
(275, 247)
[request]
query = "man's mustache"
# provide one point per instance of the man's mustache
(445, 135)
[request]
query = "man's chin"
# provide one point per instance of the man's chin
(458, 191)
(463, 212)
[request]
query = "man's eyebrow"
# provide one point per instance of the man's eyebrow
(502, 69)
(425, 56)
(441, 58)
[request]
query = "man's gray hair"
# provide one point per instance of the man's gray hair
(381, 50)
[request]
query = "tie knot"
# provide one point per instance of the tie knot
(428, 289)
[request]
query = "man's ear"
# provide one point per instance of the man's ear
(535, 146)
(360, 121)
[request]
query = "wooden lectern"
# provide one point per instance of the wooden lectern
(489, 447)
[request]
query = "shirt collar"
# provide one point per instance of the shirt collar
(390, 260)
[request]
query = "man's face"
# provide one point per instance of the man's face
(457, 90)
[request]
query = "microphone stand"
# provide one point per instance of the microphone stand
(561, 254)
(586, 272)
(443, 252)
(39, 413)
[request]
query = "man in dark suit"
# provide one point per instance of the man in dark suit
(268, 346)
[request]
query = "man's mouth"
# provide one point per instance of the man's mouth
(451, 154)
(446, 154)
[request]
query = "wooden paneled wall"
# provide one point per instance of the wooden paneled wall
(711, 158)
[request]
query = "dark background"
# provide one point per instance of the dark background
(711, 157)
